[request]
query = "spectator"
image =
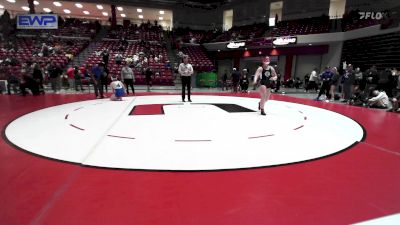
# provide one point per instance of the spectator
(55, 77)
(38, 77)
(128, 78)
(106, 57)
(297, 82)
(372, 78)
(306, 80)
(312, 83)
(96, 75)
(71, 78)
(326, 77)
(44, 50)
(104, 78)
(334, 82)
(149, 77)
(395, 103)
(358, 80)
(28, 83)
(348, 80)
(384, 82)
(118, 59)
(379, 100)
(12, 83)
(244, 81)
(278, 79)
(235, 79)
(77, 78)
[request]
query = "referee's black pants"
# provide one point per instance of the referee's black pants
(186, 82)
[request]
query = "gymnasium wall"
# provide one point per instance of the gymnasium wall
(297, 9)
(371, 5)
(195, 18)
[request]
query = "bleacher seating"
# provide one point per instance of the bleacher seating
(198, 58)
(146, 32)
(164, 76)
(301, 27)
(194, 36)
(381, 50)
(26, 50)
(247, 32)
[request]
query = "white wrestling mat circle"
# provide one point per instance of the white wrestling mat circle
(185, 136)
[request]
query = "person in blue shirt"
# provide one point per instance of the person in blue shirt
(326, 77)
(97, 75)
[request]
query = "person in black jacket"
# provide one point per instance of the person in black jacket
(149, 77)
(244, 81)
(37, 75)
(348, 81)
(235, 79)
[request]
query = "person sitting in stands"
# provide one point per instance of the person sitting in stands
(117, 88)
(380, 100)
(118, 59)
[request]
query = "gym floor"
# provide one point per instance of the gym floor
(344, 186)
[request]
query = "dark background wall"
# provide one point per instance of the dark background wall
(195, 18)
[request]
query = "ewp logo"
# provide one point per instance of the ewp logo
(37, 21)
(373, 15)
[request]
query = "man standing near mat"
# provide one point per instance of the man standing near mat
(267, 75)
(186, 71)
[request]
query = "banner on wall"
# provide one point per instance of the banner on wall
(234, 45)
(290, 40)
(37, 21)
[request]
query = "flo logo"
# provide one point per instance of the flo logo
(373, 15)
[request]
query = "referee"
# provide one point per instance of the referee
(186, 71)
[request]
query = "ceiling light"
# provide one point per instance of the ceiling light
(35, 2)
(1, 7)
(79, 5)
(120, 8)
(105, 14)
(67, 11)
(123, 15)
(162, 12)
(310, 44)
(86, 12)
(141, 16)
(160, 18)
(12, 1)
(99, 6)
(47, 10)
(26, 8)
(139, 10)
(57, 4)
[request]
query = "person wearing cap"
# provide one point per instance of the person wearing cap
(267, 76)
(235, 79)
(186, 70)
(117, 88)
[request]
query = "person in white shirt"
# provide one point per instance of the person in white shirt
(380, 100)
(117, 88)
(312, 81)
(186, 70)
(268, 77)
(128, 78)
